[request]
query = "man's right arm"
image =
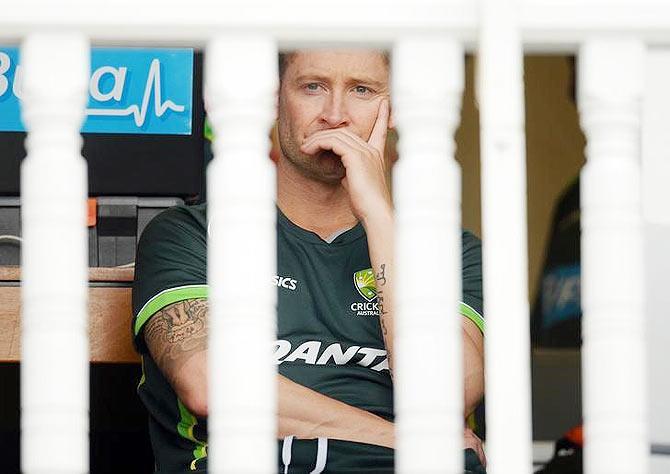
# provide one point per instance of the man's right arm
(176, 337)
(177, 340)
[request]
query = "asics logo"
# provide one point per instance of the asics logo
(285, 282)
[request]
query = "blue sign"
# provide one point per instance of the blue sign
(561, 295)
(130, 91)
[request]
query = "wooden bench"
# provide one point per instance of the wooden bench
(118, 420)
(110, 312)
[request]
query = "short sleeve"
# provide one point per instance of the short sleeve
(170, 266)
(472, 305)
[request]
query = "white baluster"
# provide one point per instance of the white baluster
(55, 350)
(505, 257)
(656, 215)
(241, 81)
(611, 81)
(428, 80)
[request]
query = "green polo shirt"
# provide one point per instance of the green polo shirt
(328, 334)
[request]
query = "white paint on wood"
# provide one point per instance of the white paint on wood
(428, 78)
(656, 139)
(611, 82)
(54, 339)
(504, 231)
(656, 214)
(241, 81)
(546, 25)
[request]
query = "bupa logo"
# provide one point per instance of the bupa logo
(130, 91)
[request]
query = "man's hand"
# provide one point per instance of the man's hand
(370, 201)
(472, 441)
(365, 179)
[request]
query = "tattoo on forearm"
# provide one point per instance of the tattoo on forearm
(380, 278)
(382, 313)
(176, 332)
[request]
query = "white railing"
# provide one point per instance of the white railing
(427, 39)
(504, 251)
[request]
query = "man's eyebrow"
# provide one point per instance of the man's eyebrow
(311, 77)
(351, 81)
(367, 80)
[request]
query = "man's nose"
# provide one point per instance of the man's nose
(334, 113)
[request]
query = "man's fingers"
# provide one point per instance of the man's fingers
(348, 138)
(378, 135)
(331, 140)
(343, 134)
(471, 440)
(332, 143)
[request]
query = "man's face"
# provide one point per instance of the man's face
(323, 90)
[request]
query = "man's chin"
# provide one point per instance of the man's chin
(325, 167)
(332, 177)
(329, 174)
(327, 155)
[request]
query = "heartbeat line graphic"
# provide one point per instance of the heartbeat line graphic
(140, 112)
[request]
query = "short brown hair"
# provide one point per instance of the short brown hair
(284, 60)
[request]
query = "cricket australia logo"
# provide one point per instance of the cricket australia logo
(364, 282)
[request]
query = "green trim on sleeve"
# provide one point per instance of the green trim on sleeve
(167, 297)
(208, 132)
(472, 314)
(185, 428)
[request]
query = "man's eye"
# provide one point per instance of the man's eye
(312, 87)
(361, 90)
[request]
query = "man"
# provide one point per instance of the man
(334, 237)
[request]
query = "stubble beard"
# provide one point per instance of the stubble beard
(325, 167)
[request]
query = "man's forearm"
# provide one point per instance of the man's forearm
(380, 243)
(473, 366)
(305, 413)
(380, 232)
(177, 339)
(301, 412)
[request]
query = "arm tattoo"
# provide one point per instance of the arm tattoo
(385, 333)
(381, 275)
(380, 278)
(176, 332)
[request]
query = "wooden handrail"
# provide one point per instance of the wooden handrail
(97, 274)
(110, 313)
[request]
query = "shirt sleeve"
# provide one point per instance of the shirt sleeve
(472, 305)
(170, 266)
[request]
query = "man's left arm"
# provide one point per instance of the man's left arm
(473, 365)
(370, 200)
(380, 242)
